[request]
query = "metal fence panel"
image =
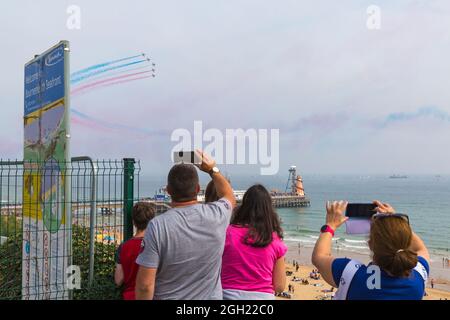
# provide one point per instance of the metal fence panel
(97, 228)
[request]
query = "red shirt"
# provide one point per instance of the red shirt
(126, 256)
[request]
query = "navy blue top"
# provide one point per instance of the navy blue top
(391, 288)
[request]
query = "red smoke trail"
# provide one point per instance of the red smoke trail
(108, 80)
(120, 82)
(116, 73)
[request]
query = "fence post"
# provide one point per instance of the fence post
(128, 197)
(93, 214)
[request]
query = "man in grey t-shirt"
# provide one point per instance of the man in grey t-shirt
(181, 257)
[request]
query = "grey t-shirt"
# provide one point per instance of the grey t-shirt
(186, 244)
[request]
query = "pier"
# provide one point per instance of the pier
(112, 207)
(278, 201)
(293, 196)
(290, 201)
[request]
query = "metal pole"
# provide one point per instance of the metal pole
(93, 215)
(68, 178)
(128, 197)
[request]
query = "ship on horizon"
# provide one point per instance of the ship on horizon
(398, 176)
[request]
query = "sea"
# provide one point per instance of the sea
(425, 198)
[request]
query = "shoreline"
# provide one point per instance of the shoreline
(302, 255)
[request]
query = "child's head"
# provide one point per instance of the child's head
(257, 212)
(142, 213)
(211, 193)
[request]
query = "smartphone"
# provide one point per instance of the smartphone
(359, 215)
(360, 210)
(186, 157)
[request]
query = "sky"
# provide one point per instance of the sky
(346, 99)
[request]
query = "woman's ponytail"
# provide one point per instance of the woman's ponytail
(390, 240)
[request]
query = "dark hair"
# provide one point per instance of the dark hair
(142, 213)
(182, 182)
(390, 240)
(211, 193)
(257, 213)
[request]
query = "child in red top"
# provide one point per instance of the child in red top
(128, 251)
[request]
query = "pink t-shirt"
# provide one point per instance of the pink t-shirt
(249, 268)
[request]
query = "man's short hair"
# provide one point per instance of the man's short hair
(182, 181)
(142, 213)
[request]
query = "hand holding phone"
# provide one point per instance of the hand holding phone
(335, 213)
(207, 163)
(187, 157)
(383, 207)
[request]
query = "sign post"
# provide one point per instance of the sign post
(46, 251)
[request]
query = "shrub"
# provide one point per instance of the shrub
(11, 268)
(103, 286)
(10, 225)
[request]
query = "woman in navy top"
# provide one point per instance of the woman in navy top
(400, 266)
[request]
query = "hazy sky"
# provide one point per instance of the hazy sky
(345, 98)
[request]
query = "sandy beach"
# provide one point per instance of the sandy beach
(320, 290)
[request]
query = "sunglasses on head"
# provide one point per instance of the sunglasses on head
(395, 215)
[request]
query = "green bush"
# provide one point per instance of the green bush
(10, 226)
(103, 286)
(11, 268)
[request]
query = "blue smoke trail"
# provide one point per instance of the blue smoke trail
(92, 74)
(104, 64)
(430, 112)
(113, 74)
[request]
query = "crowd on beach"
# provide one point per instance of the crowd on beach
(218, 250)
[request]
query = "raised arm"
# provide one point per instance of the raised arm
(321, 256)
(418, 246)
(223, 187)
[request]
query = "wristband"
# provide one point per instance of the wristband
(327, 228)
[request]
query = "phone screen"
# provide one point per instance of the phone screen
(359, 215)
(360, 210)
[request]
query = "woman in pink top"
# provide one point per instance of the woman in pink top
(253, 259)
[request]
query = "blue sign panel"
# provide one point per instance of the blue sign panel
(44, 80)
